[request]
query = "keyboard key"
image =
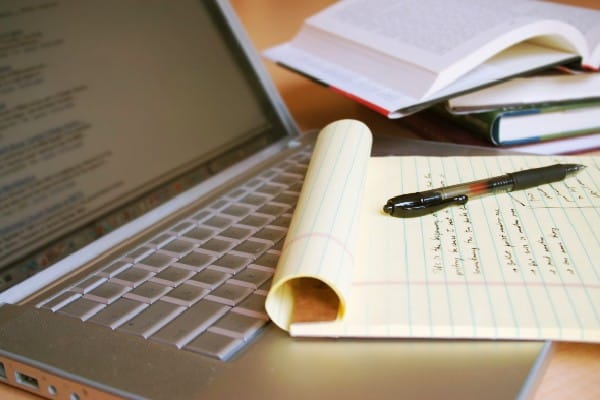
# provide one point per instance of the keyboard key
(268, 260)
(286, 198)
(179, 247)
(255, 199)
(296, 188)
(253, 184)
(229, 294)
(218, 204)
(107, 292)
(272, 234)
(219, 221)
(251, 277)
(172, 276)
(132, 277)
(253, 305)
(182, 227)
(190, 323)
(298, 169)
(81, 308)
(263, 290)
(270, 189)
(285, 179)
(186, 294)
(114, 269)
(201, 216)
(301, 157)
(155, 262)
(273, 209)
(237, 210)
(256, 220)
(148, 292)
(215, 345)
(88, 284)
(217, 246)
(160, 240)
(251, 248)
(117, 313)
(151, 319)
(196, 260)
(200, 234)
(209, 278)
(237, 233)
(59, 301)
(231, 263)
(236, 194)
(285, 165)
(282, 221)
(238, 325)
(139, 253)
(269, 173)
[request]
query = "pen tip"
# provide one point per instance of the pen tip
(388, 209)
(573, 168)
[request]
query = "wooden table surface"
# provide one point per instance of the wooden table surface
(574, 369)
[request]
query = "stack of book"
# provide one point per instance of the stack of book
(483, 64)
(554, 114)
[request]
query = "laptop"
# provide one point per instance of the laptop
(148, 173)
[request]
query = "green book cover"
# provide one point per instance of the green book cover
(532, 123)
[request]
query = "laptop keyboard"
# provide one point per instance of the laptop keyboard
(201, 284)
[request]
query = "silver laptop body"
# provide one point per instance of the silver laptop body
(158, 111)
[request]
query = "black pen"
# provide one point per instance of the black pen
(429, 201)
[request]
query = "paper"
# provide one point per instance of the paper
(518, 265)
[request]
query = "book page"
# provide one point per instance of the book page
(436, 34)
(528, 91)
(518, 265)
(584, 19)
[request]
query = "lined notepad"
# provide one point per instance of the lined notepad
(518, 265)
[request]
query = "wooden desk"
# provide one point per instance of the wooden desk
(574, 370)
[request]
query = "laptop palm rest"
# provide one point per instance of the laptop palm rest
(416, 369)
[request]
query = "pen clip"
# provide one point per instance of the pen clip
(418, 210)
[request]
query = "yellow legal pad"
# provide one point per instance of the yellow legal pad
(518, 265)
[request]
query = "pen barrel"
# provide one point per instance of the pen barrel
(477, 188)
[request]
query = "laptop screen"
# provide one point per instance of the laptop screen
(102, 105)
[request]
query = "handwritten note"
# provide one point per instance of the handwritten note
(518, 265)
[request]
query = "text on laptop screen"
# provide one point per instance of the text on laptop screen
(102, 101)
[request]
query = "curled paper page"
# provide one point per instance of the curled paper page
(315, 267)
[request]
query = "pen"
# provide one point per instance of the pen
(429, 201)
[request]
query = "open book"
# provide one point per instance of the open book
(518, 265)
(399, 56)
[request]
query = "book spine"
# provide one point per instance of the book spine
(475, 123)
